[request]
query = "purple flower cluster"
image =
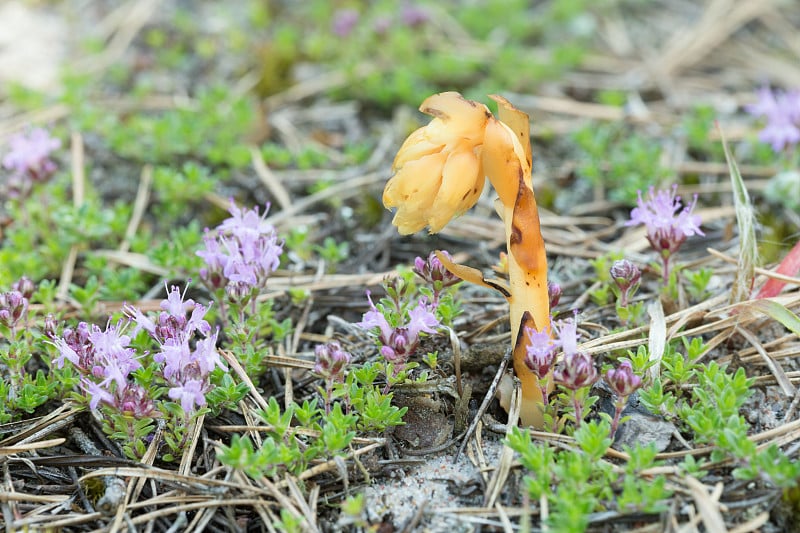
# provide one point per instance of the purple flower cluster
(575, 371)
(410, 15)
(400, 342)
(242, 254)
(188, 347)
(29, 161)
(782, 111)
(105, 361)
(432, 271)
(14, 305)
(667, 220)
(541, 352)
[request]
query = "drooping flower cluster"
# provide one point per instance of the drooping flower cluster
(782, 111)
(398, 343)
(29, 161)
(438, 170)
(105, 361)
(187, 348)
(241, 255)
(668, 222)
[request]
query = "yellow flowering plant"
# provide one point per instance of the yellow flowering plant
(439, 173)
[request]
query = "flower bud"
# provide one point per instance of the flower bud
(50, 326)
(331, 360)
(399, 341)
(135, 401)
(25, 286)
(433, 271)
(13, 306)
(626, 275)
(576, 371)
(554, 293)
(622, 380)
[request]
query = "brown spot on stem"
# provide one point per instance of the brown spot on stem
(525, 241)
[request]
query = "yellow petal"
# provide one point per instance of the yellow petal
(504, 161)
(462, 183)
(466, 117)
(518, 121)
(412, 190)
(414, 180)
(416, 146)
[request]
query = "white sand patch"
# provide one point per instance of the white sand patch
(438, 484)
(32, 46)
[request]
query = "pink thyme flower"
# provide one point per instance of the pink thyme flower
(188, 350)
(400, 342)
(189, 393)
(421, 319)
(577, 369)
(668, 222)
(623, 382)
(13, 307)
(30, 154)
(242, 255)
(554, 293)
(782, 111)
(374, 318)
(433, 271)
(344, 22)
(540, 352)
(567, 333)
